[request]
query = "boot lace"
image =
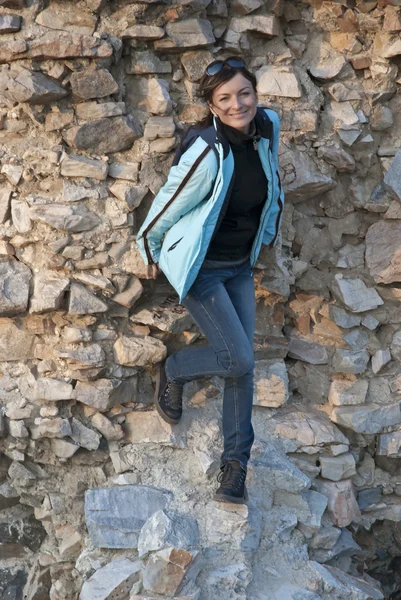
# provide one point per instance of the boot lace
(173, 395)
(231, 476)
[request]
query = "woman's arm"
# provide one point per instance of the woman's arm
(276, 210)
(188, 183)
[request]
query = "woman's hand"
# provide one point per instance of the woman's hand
(152, 271)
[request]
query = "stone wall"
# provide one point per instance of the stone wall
(99, 498)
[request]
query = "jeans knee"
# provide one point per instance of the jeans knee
(241, 366)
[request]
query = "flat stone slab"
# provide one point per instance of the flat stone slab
(113, 581)
(115, 515)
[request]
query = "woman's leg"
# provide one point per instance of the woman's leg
(222, 303)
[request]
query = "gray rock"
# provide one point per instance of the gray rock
(138, 352)
(8, 495)
(380, 359)
(80, 166)
(195, 63)
(110, 431)
(369, 497)
(131, 293)
(279, 473)
(342, 506)
(346, 586)
(347, 361)
(165, 313)
(159, 127)
(145, 62)
(131, 195)
(143, 32)
(345, 547)
(104, 135)
(308, 351)
(10, 23)
(20, 216)
(188, 33)
(396, 345)
(73, 191)
(391, 178)
(48, 292)
(357, 339)
(244, 7)
(167, 529)
(346, 392)
(369, 418)
(264, 24)
(15, 278)
(66, 218)
(293, 592)
(309, 507)
(5, 202)
(50, 428)
(115, 515)
(84, 436)
(35, 88)
(382, 245)
(93, 83)
(103, 394)
(91, 355)
(83, 302)
(301, 179)
(49, 389)
(92, 111)
(389, 444)
(338, 157)
(238, 527)
(15, 344)
(127, 171)
(381, 118)
(113, 581)
(355, 295)
(338, 467)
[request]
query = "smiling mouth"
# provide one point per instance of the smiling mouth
(239, 114)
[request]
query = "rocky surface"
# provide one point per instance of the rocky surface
(101, 499)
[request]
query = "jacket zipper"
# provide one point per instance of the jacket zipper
(280, 204)
(173, 197)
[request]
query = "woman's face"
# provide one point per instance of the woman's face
(235, 102)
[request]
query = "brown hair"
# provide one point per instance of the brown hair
(208, 83)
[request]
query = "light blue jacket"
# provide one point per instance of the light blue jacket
(182, 219)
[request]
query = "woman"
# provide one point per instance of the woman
(221, 202)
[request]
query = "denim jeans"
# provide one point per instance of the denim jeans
(222, 303)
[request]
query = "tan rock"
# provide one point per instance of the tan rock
(148, 428)
(67, 18)
(5, 201)
(138, 352)
(81, 166)
(143, 32)
(278, 81)
(387, 44)
(348, 392)
(271, 383)
(166, 570)
(93, 83)
(265, 24)
(111, 431)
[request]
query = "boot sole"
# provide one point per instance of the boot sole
(231, 499)
(165, 417)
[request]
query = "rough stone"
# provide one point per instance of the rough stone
(346, 392)
(143, 32)
(165, 313)
(278, 81)
(189, 33)
(167, 529)
(104, 135)
(35, 88)
(49, 389)
(369, 418)
(148, 428)
(382, 251)
(131, 195)
(80, 166)
(50, 428)
(16, 343)
(66, 18)
(323, 61)
(5, 202)
(84, 436)
(92, 111)
(10, 23)
(145, 62)
(167, 570)
(48, 292)
(20, 216)
(93, 83)
(338, 467)
(271, 383)
(300, 177)
(238, 527)
(66, 218)
(83, 302)
(138, 352)
(355, 294)
(195, 63)
(111, 431)
(131, 293)
(103, 394)
(349, 361)
(380, 359)
(15, 278)
(342, 505)
(264, 24)
(308, 351)
(113, 580)
(338, 157)
(110, 520)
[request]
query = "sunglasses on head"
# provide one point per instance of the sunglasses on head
(216, 66)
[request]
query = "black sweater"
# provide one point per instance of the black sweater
(235, 235)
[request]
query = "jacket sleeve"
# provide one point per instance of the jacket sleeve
(188, 183)
(273, 223)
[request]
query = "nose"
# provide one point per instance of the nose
(235, 104)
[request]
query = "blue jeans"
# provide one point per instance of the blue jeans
(222, 303)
